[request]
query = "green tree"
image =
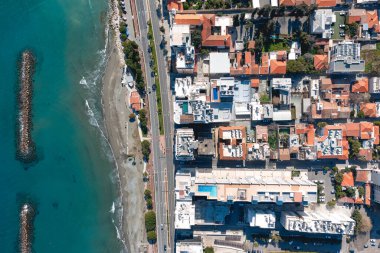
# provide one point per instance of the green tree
(339, 178)
(151, 236)
(354, 148)
(361, 191)
(149, 204)
(150, 221)
(145, 149)
(350, 192)
(143, 121)
(132, 116)
(147, 194)
(204, 52)
(331, 204)
(361, 114)
(335, 169)
(196, 38)
(301, 65)
(357, 217)
(321, 124)
(208, 250)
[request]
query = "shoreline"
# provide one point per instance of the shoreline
(115, 118)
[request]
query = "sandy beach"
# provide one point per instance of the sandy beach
(124, 140)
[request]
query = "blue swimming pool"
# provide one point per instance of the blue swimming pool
(215, 94)
(211, 189)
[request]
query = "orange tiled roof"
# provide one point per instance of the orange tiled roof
(352, 129)
(175, 4)
(188, 19)
(320, 61)
(209, 40)
(277, 67)
(369, 109)
(287, 2)
(366, 128)
(362, 176)
(360, 85)
(255, 82)
(325, 3)
(134, 101)
(298, 197)
(367, 196)
(372, 19)
(366, 154)
(348, 179)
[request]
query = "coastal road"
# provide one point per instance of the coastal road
(168, 121)
(158, 163)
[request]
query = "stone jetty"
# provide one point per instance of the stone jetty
(25, 145)
(27, 215)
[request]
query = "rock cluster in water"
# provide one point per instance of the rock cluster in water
(27, 214)
(25, 144)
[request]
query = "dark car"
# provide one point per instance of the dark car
(154, 87)
(164, 247)
(152, 74)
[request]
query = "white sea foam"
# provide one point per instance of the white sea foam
(112, 210)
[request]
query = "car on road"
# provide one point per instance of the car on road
(332, 191)
(151, 63)
(152, 74)
(366, 246)
(342, 13)
(149, 50)
(164, 247)
(162, 226)
(154, 87)
(342, 25)
(342, 35)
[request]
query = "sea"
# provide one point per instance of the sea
(73, 184)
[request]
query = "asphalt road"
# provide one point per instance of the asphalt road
(163, 165)
(168, 123)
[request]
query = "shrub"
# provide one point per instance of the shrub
(339, 178)
(147, 194)
(132, 117)
(361, 191)
(331, 204)
(208, 250)
(151, 236)
(145, 149)
(150, 221)
(321, 124)
(149, 204)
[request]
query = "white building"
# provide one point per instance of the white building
(189, 247)
(261, 219)
(180, 35)
(219, 63)
(374, 85)
(345, 58)
(321, 22)
(185, 144)
(245, 185)
(318, 222)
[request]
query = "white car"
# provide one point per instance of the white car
(342, 25)
(342, 13)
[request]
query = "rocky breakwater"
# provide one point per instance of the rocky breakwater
(26, 150)
(27, 215)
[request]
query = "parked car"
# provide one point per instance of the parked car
(342, 13)
(342, 25)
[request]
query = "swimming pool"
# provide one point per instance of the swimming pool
(211, 189)
(215, 94)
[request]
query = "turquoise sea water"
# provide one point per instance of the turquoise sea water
(73, 183)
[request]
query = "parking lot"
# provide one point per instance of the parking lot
(340, 20)
(327, 183)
